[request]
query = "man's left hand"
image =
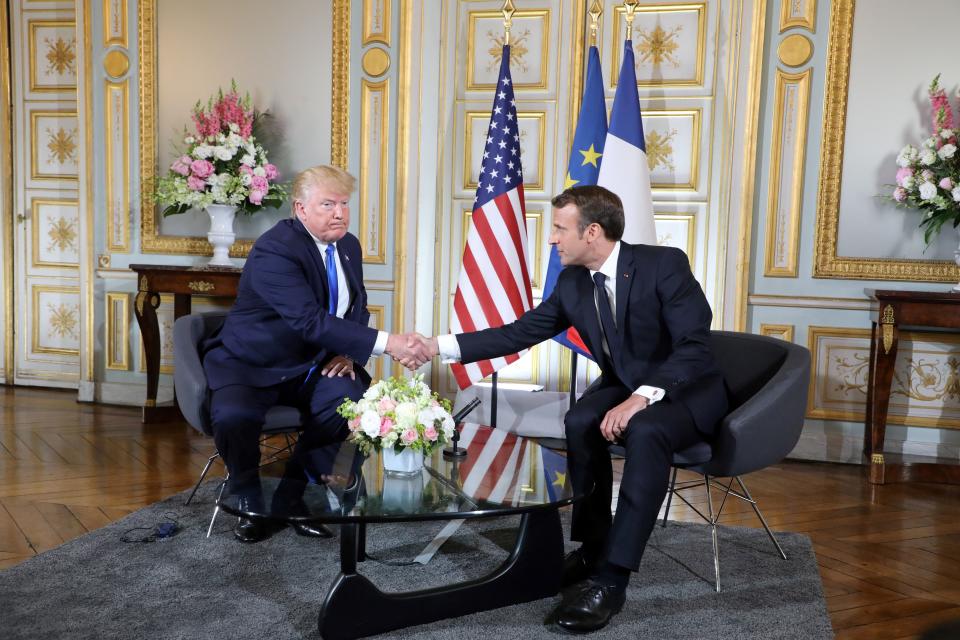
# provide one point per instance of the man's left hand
(339, 366)
(616, 420)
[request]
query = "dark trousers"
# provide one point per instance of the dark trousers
(650, 439)
(238, 411)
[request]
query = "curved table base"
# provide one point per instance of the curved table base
(354, 607)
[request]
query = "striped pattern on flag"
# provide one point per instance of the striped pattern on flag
(491, 471)
(494, 284)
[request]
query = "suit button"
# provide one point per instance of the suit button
(282, 378)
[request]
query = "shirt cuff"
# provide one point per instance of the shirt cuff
(653, 394)
(449, 348)
(380, 345)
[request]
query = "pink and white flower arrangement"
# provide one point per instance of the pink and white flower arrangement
(929, 176)
(223, 162)
(398, 414)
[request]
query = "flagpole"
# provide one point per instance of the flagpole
(630, 6)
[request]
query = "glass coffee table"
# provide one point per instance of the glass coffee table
(501, 474)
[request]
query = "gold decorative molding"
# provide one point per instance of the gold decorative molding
(116, 64)
(782, 331)
(151, 240)
(400, 204)
(64, 234)
(6, 197)
(540, 117)
(827, 264)
(798, 13)
(877, 458)
(88, 359)
(60, 56)
(377, 315)
(62, 144)
(375, 62)
(926, 378)
(751, 135)
(690, 241)
(114, 23)
(519, 48)
(118, 331)
(374, 179)
(887, 323)
(795, 50)
(117, 164)
(788, 143)
(658, 45)
(201, 286)
(376, 22)
(340, 76)
(660, 149)
(65, 320)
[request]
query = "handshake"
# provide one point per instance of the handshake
(412, 350)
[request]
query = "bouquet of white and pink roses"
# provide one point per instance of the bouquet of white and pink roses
(929, 177)
(399, 413)
(223, 162)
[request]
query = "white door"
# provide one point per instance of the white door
(46, 148)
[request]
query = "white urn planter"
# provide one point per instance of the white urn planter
(406, 463)
(221, 234)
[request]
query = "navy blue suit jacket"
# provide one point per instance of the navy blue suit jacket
(279, 326)
(663, 319)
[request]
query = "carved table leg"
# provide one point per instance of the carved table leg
(145, 309)
(884, 345)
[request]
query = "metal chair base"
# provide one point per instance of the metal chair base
(711, 518)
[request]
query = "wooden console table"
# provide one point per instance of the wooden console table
(935, 309)
(182, 282)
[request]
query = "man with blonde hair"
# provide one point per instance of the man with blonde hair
(297, 335)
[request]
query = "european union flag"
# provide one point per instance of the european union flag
(583, 169)
(554, 473)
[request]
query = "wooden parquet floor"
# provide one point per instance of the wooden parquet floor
(889, 556)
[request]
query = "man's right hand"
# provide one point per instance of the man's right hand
(410, 349)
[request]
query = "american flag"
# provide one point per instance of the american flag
(494, 284)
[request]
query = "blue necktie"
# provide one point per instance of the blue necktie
(332, 280)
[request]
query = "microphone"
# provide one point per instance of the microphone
(455, 451)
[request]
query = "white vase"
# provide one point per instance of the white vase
(406, 463)
(221, 234)
(956, 258)
(402, 493)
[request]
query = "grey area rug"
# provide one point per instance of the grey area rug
(189, 586)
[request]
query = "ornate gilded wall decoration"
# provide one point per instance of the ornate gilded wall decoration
(657, 46)
(63, 234)
(518, 50)
(61, 56)
(660, 149)
(63, 320)
(62, 145)
(921, 379)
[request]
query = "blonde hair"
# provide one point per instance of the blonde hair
(333, 178)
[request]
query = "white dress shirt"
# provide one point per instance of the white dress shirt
(343, 292)
(450, 348)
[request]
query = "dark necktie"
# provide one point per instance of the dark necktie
(332, 280)
(606, 316)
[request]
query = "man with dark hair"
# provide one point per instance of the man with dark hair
(645, 318)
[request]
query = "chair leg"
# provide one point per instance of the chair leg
(216, 507)
(203, 474)
(673, 483)
(713, 531)
(756, 510)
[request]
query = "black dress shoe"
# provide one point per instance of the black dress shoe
(590, 609)
(311, 530)
(251, 530)
(576, 568)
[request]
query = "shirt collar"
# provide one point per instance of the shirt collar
(320, 243)
(609, 266)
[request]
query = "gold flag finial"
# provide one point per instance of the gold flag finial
(630, 6)
(595, 10)
(508, 11)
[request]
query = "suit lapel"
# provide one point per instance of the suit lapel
(314, 252)
(625, 278)
(348, 270)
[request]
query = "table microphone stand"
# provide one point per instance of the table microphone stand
(455, 451)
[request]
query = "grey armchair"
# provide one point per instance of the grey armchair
(193, 394)
(767, 383)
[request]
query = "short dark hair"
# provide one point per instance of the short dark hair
(596, 204)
